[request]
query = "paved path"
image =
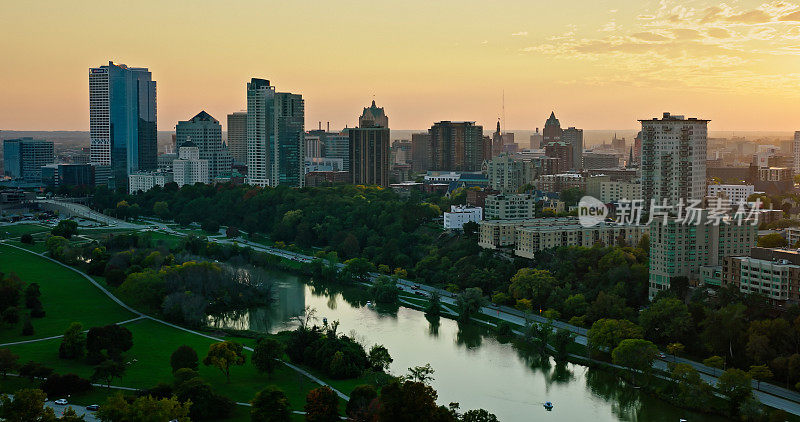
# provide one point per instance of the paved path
(141, 315)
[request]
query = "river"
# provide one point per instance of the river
(472, 366)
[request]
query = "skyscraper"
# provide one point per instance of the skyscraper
(275, 146)
(369, 148)
(673, 159)
(23, 158)
(552, 129)
(497, 141)
(537, 140)
(574, 137)
(122, 119)
(205, 133)
(457, 146)
(420, 152)
(237, 136)
(796, 152)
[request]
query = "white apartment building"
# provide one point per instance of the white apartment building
(460, 214)
(144, 181)
(510, 207)
(189, 169)
(673, 158)
(736, 193)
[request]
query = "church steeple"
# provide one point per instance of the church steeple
(498, 125)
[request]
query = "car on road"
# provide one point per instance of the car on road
(61, 402)
(662, 356)
(93, 407)
(415, 287)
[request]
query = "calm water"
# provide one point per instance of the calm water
(472, 367)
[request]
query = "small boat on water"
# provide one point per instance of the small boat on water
(548, 406)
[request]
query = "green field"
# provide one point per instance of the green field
(14, 231)
(66, 296)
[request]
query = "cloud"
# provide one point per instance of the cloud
(520, 34)
(686, 34)
(650, 36)
(791, 17)
(751, 17)
(610, 27)
(718, 32)
(646, 17)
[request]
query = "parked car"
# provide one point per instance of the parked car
(61, 402)
(93, 407)
(662, 356)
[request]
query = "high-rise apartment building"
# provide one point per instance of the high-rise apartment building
(275, 146)
(237, 136)
(205, 132)
(552, 130)
(679, 249)
(122, 119)
(574, 137)
(420, 152)
(23, 158)
(369, 148)
(457, 146)
(673, 159)
(507, 174)
(796, 152)
(337, 145)
(562, 151)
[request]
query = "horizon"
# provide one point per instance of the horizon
(419, 61)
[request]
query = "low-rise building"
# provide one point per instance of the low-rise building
(560, 182)
(510, 207)
(736, 193)
(773, 273)
(459, 215)
(606, 190)
(144, 181)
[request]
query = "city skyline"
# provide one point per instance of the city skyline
(725, 63)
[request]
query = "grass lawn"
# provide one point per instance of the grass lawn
(153, 343)
(66, 296)
(17, 230)
(38, 247)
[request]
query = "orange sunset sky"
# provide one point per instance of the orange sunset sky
(599, 64)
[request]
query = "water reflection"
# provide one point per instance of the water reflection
(472, 366)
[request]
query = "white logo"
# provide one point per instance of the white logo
(591, 211)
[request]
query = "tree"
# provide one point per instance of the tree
(469, 302)
(571, 195)
(161, 209)
(360, 399)
(60, 385)
(772, 240)
(26, 238)
(11, 315)
(434, 307)
(356, 270)
(575, 305)
(379, 358)
(606, 334)
(223, 355)
(634, 353)
(560, 340)
(73, 344)
(65, 229)
(322, 405)
(8, 361)
(270, 405)
(27, 326)
(107, 371)
(478, 415)
(112, 339)
(410, 401)
(735, 385)
(183, 357)
(760, 373)
(384, 290)
(667, 320)
(32, 370)
(691, 389)
(144, 409)
(27, 406)
(675, 349)
(533, 284)
(421, 374)
(266, 355)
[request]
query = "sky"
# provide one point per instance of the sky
(599, 64)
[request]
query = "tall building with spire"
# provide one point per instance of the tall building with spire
(369, 148)
(552, 129)
(275, 136)
(122, 120)
(498, 143)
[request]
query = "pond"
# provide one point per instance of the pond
(472, 366)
